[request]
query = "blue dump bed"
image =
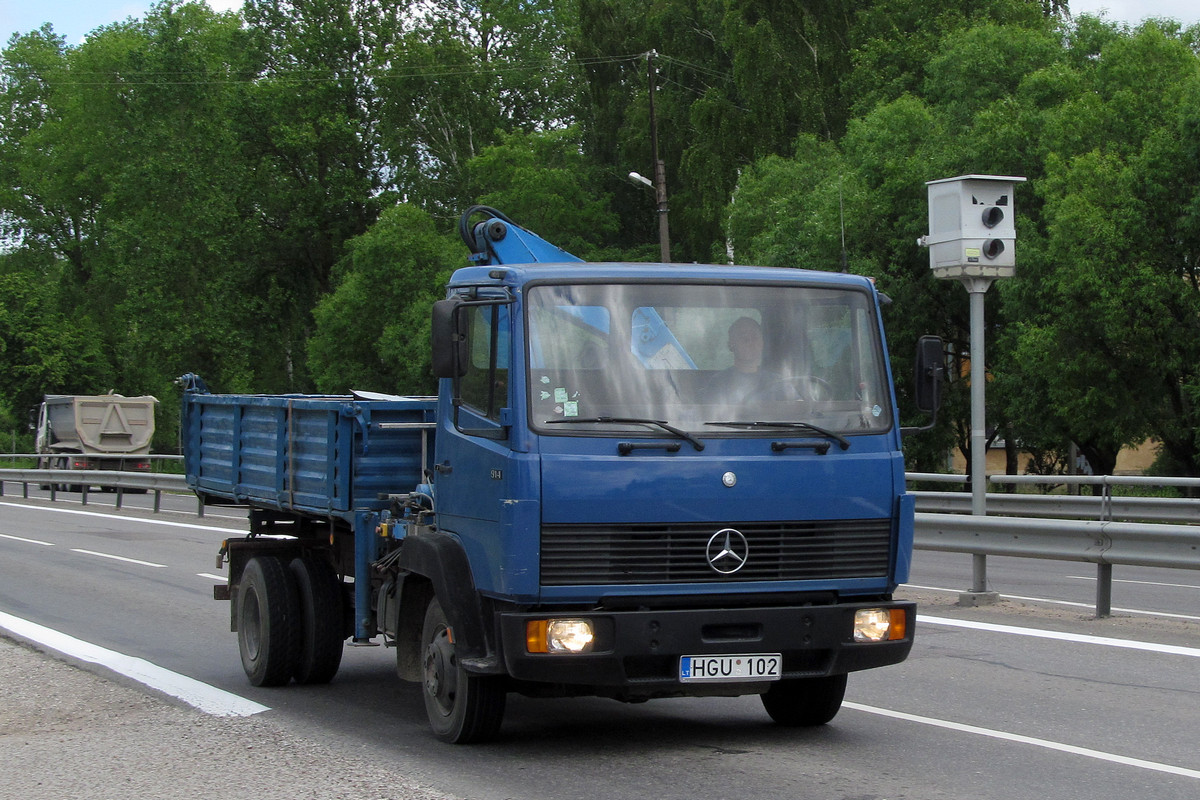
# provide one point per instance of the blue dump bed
(328, 456)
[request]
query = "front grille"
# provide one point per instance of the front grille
(579, 555)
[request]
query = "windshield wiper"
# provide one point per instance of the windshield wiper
(842, 441)
(671, 429)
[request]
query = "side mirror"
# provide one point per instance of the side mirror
(449, 334)
(930, 374)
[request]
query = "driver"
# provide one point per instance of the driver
(746, 375)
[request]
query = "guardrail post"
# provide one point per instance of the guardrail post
(157, 500)
(120, 493)
(979, 594)
(83, 493)
(1103, 590)
(979, 573)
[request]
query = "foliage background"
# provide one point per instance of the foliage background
(269, 198)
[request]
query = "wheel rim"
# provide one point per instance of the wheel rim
(249, 624)
(441, 672)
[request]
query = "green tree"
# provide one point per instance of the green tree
(372, 331)
(544, 183)
(1106, 315)
(125, 173)
(463, 73)
(859, 204)
(308, 132)
(42, 350)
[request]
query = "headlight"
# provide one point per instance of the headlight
(559, 636)
(880, 624)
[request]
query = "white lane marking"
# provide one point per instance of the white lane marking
(1143, 583)
(118, 558)
(1115, 608)
(167, 523)
(208, 513)
(1139, 611)
(27, 541)
(210, 576)
(202, 696)
(1082, 638)
(1031, 740)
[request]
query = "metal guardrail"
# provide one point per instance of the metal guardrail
(1056, 506)
(1101, 529)
(84, 479)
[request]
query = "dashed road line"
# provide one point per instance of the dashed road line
(118, 558)
(27, 541)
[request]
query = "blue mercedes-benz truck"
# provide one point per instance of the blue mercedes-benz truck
(636, 481)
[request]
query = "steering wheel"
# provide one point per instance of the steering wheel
(801, 388)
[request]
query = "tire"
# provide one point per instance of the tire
(462, 708)
(268, 621)
(805, 702)
(321, 625)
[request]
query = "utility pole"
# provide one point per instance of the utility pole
(660, 170)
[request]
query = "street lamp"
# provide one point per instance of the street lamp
(659, 185)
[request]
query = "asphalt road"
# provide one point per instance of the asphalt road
(1026, 699)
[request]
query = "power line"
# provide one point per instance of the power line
(382, 73)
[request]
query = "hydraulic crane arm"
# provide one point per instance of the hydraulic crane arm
(498, 240)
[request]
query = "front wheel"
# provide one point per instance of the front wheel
(462, 708)
(805, 702)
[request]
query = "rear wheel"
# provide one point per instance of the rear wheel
(462, 707)
(804, 702)
(268, 621)
(321, 626)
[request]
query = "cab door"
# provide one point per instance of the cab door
(473, 458)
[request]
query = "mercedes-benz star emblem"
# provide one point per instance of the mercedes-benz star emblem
(727, 551)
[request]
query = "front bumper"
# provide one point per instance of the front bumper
(639, 650)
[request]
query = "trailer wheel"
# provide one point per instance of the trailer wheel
(268, 621)
(462, 707)
(805, 702)
(321, 625)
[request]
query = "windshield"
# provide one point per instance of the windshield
(704, 358)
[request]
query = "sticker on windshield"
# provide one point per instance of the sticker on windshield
(876, 411)
(571, 409)
(560, 395)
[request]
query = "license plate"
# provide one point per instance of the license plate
(754, 667)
